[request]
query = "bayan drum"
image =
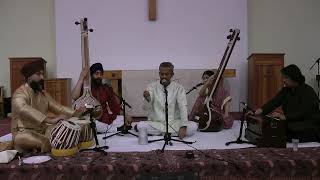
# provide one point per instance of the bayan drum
(64, 138)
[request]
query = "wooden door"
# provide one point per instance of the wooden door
(264, 78)
(59, 89)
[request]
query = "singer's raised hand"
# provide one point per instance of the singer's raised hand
(146, 95)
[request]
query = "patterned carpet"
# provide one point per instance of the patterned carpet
(238, 164)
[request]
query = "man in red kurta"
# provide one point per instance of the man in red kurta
(102, 92)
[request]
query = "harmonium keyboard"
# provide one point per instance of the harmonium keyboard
(266, 131)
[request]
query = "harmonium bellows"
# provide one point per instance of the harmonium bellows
(266, 131)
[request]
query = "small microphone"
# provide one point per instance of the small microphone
(199, 84)
(164, 82)
(195, 87)
(317, 61)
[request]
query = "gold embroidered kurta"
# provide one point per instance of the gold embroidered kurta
(29, 111)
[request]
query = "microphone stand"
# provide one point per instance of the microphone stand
(167, 136)
(317, 76)
(124, 129)
(239, 140)
(194, 87)
(97, 148)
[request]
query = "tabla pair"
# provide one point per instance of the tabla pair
(68, 136)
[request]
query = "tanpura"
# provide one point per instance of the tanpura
(209, 120)
(86, 99)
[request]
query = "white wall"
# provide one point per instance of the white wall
(27, 30)
(191, 34)
(286, 26)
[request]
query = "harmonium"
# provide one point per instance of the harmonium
(266, 131)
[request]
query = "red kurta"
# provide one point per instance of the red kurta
(109, 102)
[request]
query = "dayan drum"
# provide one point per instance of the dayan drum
(64, 138)
(86, 135)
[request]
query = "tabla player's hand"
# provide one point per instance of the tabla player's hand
(182, 132)
(146, 95)
(79, 111)
(62, 117)
(55, 120)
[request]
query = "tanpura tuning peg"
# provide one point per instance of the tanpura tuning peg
(91, 30)
(229, 36)
(231, 30)
(77, 23)
(85, 19)
(238, 38)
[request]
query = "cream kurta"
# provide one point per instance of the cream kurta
(177, 106)
(29, 111)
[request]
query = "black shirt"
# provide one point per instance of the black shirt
(298, 104)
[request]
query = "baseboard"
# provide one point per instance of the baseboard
(234, 115)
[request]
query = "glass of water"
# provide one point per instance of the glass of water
(295, 143)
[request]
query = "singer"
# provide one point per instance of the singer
(103, 93)
(154, 99)
(221, 99)
(299, 105)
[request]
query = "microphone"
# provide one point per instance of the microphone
(195, 87)
(125, 103)
(164, 82)
(199, 84)
(247, 107)
(317, 61)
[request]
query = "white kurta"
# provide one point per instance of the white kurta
(177, 106)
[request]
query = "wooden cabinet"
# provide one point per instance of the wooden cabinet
(115, 76)
(16, 64)
(59, 89)
(264, 77)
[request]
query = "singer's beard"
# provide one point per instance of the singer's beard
(37, 86)
(96, 82)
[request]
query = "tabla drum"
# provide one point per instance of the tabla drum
(64, 138)
(86, 135)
